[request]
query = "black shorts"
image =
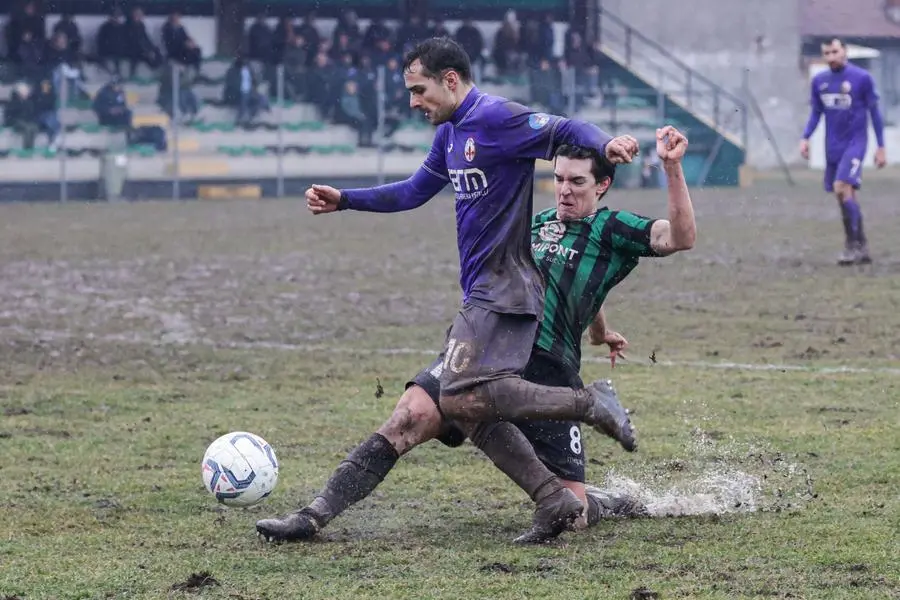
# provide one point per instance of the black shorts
(483, 345)
(557, 443)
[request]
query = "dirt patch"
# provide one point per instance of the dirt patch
(196, 582)
(38, 431)
(17, 411)
(497, 567)
(643, 593)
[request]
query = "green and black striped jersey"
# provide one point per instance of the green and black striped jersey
(581, 261)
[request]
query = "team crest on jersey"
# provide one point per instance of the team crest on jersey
(552, 232)
(538, 120)
(823, 87)
(469, 150)
(845, 87)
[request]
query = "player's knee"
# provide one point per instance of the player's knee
(843, 189)
(415, 420)
(462, 406)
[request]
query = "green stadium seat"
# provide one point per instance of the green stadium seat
(255, 150)
(143, 150)
(632, 102)
(231, 150)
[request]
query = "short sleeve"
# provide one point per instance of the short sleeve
(630, 233)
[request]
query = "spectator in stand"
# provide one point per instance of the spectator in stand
(320, 89)
(188, 105)
(260, 39)
(295, 69)
(382, 52)
(367, 87)
(63, 65)
(341, 46)
(530, 42)
(471, 40)
(439, 29)
(348, 24)
(113, 43)
(350, 113)
(284, 32)
(28, 20)
(375, 34)
(546, 87)
(506, 46)
(241, 91)
(547, 38)
(141, 48)
(45, 109)
(410, 33)
(312, 39)
(19, 114)
(30, 54)
(580, 59)
(111, 106)
(180, 46)
(396, 101)
(68, 27)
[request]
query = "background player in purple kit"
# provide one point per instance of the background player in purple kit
(485, 146)
(846, 94)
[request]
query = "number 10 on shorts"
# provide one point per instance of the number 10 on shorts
(457, 357)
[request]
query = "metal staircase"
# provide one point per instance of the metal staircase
(683, 86)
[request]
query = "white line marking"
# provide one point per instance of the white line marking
(327, 349)
(697, 364)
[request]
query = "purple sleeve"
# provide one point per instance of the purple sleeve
(530, 134)
(408, 194)
(815, 112)
(872, 104)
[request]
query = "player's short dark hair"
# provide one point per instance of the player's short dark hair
(834, 40)
(601, 167)
(439, 55)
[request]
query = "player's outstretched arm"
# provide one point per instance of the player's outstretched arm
(679, 232)
(815, 114)
(871, 96)
(530, 134)
(408, 194)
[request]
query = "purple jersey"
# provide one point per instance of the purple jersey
(846, 96)
(487, 152)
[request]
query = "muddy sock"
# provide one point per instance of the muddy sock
(593, 511)
(514, 399)
(355, 478)
(860, 230)
(511, 452)
(848, 230)
(854, 216)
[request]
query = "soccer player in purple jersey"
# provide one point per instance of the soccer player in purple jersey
(846, 95)
(485, 146)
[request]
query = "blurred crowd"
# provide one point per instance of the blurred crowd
(336, 73)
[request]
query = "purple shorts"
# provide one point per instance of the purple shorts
(847, 168)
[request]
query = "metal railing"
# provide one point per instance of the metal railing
(279, 137)
(655, 64)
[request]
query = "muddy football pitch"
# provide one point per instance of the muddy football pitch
(763, 379)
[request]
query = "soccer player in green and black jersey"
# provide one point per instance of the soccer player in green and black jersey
(582, 251)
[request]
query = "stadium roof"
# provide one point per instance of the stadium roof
(859, 18)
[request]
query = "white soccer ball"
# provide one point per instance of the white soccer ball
(240, 469)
